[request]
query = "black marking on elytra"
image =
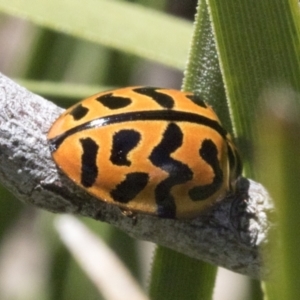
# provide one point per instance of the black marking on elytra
(162, 99)
(197, 100)
(178, 172)
(152, 115)
(89, 169)
(209, 153)
(129, 188)
(122, 143)
(113, 102)
(78, 112)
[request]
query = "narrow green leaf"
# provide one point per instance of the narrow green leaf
(50, 56)
(176, 276)
(203, 75)
(258, 44)
(279, 170)
(125, 26)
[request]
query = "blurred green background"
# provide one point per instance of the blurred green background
(65, 68)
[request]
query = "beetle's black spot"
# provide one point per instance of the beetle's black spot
(123, 142)
(163, 100)
(78, 112)
(113, 102)
(178, 172)
(209, 153)
(129, 188)
(89, 169)
(197, 100)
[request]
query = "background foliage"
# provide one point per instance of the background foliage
(66, 50)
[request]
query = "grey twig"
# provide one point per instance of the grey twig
(231, 235)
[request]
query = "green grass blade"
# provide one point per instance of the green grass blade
(176, 276)
(279, 151)
(258, 44)
(203, 75)
(124, 26)
(50, 56)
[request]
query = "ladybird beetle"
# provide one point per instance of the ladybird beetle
(148, 150)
